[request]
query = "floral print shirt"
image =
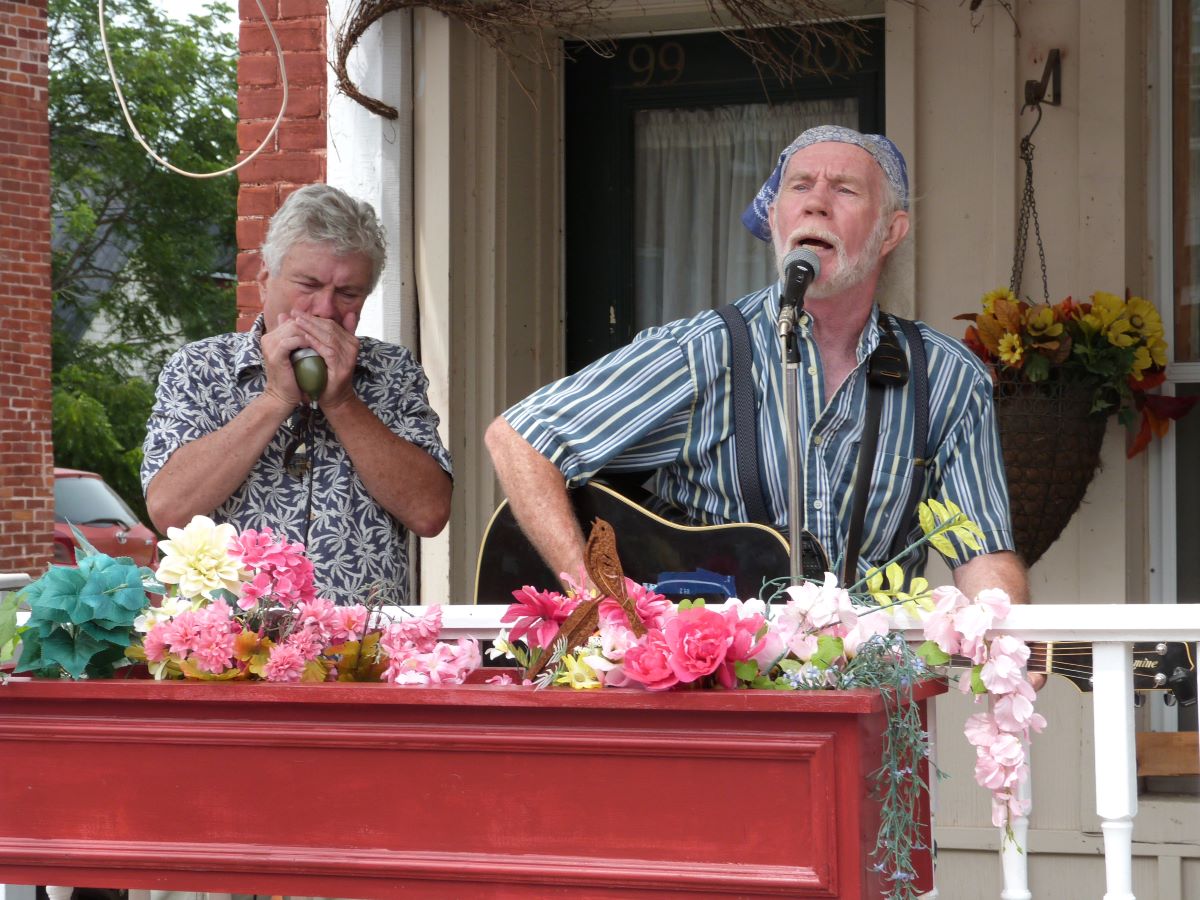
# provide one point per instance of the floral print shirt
(305, 485)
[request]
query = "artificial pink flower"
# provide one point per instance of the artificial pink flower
(651, 607)
(648, 662)
(254, 590)
(154, 645)
(615, 639)
(813, 607)
(1005, 668)
(538, 615)
(350, 623)
(698, 640)
(317, 615)
(981, 730)
(996, 600)
(502, 679)
(865, 628)
(803, 646)
(308, 643)
(420, 632)
(1014, 712)
(284, 664)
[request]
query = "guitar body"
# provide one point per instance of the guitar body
(647, 545)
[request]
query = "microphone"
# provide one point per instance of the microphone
(311, 372)
(800, 269)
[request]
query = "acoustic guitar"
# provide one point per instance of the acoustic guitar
(648, 546)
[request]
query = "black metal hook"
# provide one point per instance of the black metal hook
(1036, 107)
(1049, 89)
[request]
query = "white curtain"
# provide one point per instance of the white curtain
(697, 170)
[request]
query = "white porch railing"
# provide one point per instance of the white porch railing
(1111, 628)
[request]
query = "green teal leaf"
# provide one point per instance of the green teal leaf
(746, 671)
(120, 635)
(72, 652)
(115, 594)
(933, 654)
(977, 685)
(8, 625)
(83, 547)
(57, 590)
(829, 650)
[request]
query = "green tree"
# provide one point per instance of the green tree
(141, 256)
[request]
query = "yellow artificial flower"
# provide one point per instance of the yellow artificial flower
(1141, 362)
(1106, 308)
(578, 675)
(197, 558)
(1040, 322)
(1011, 350)
(1144, 318)
(990, 298)
(1158, 351)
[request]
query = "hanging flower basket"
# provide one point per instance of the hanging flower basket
(1060, 371)
(1051, 443)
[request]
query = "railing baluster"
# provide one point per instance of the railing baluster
(1014, 854)
(1116, 763)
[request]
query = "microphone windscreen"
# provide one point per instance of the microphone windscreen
(805, 257)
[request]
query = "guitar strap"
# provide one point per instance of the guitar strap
(920, 381)
(886, 367)
(745, 421)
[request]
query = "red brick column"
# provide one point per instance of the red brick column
(26, 451)
(296, 154)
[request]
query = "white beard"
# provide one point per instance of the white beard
(849, 272)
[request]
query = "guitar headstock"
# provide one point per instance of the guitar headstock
(1156, 666)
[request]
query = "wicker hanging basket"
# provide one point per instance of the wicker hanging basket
(1051, 444)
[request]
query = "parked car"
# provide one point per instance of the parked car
(85, 500)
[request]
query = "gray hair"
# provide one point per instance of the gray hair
(323, 214)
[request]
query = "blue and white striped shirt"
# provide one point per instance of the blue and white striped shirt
(665, 402)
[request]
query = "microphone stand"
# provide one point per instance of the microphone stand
(790, 356)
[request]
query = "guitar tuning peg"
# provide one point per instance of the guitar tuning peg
(1160, 679)
(1169, 699)
(1139, 700)
(1160, 649)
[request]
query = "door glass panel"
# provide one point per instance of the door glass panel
(696, 170)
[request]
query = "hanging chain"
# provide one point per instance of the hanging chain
(1028, 210)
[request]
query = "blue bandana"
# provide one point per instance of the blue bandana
(884, 152)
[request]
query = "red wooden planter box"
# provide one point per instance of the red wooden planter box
(346, 790)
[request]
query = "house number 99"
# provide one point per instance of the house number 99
(662, 68)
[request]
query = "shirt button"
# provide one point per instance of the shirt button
(817, 439)
(817, 504)
(812, 370)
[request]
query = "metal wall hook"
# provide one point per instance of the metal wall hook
(1049, 89)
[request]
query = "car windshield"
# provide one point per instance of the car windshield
(87, 501)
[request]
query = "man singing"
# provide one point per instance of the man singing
(663, 401)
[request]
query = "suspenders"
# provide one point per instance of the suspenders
(887, 368)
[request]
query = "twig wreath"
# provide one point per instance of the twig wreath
(787, 38)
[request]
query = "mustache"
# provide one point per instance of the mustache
(800, 234)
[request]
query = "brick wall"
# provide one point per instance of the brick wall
(296, 154)
(26, 452)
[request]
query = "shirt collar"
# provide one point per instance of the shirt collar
(867, 341)
(247, 351)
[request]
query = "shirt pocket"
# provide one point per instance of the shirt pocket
(887, 506)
